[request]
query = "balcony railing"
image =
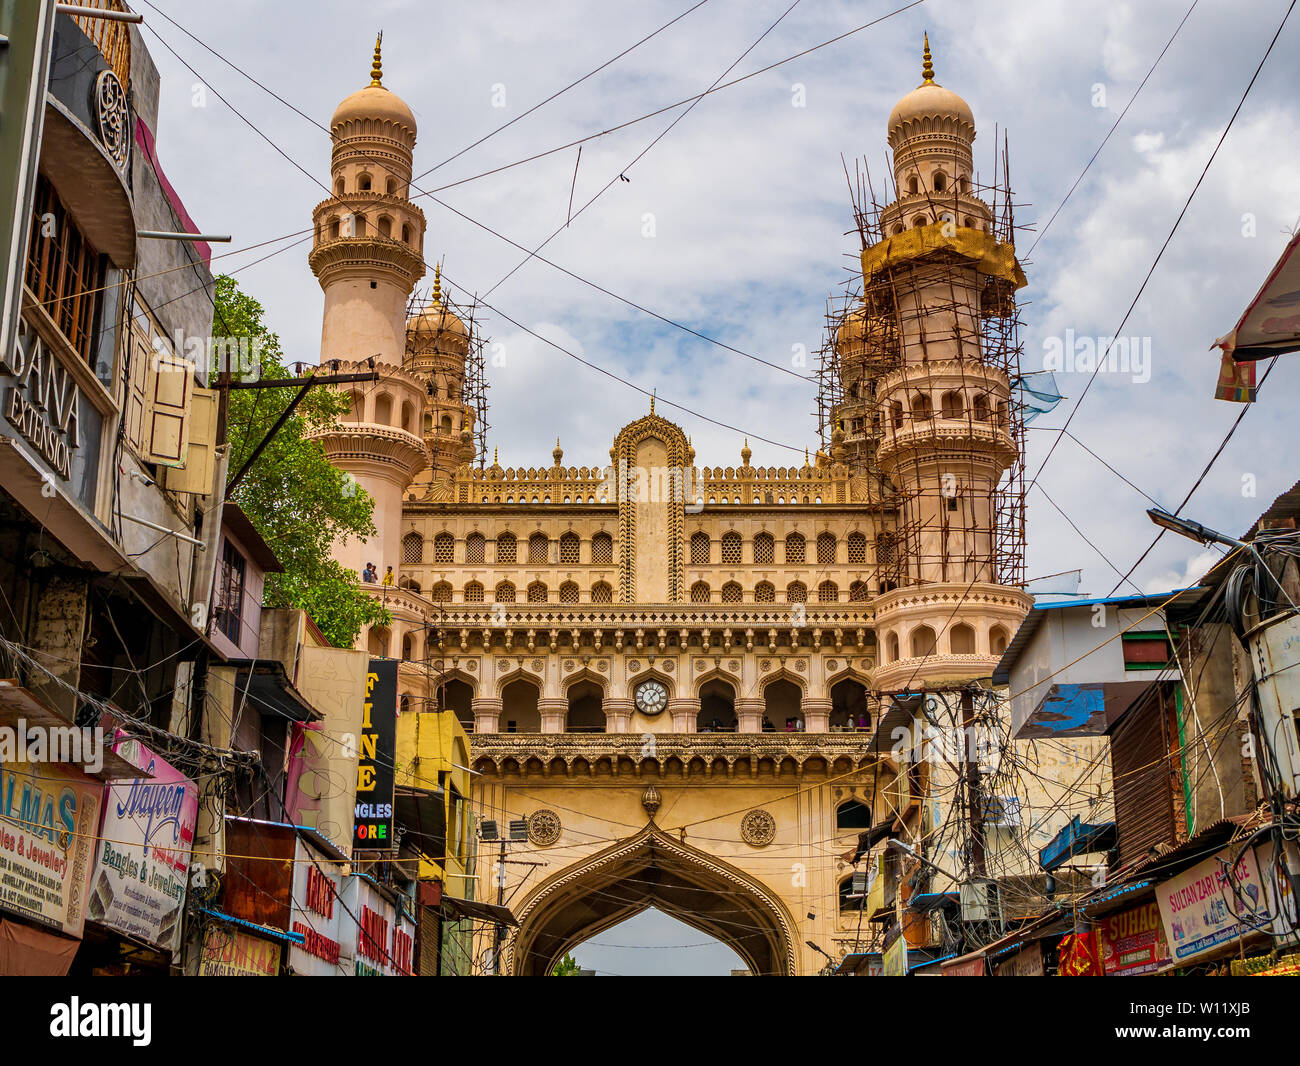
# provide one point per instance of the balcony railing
(113, 39)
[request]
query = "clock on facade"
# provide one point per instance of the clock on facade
(651, 697)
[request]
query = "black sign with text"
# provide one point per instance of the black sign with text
(377, 758)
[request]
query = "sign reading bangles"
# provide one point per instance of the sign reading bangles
(373, 828)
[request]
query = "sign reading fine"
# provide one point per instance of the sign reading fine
(378, 753)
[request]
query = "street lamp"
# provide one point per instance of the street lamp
(1185, 527)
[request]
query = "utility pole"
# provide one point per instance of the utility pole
(500, 935)
(974, 790)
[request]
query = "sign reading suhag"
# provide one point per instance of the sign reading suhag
(373, 826)
(1133, 941)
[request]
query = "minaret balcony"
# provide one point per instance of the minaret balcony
(384, 450)
(944, 436)
(334, 257)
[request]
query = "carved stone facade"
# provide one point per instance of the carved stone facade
(686, 664)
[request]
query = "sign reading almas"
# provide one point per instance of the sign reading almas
(44, 402)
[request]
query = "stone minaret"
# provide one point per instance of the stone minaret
(368, 255)
(942, 431)
(437, 343)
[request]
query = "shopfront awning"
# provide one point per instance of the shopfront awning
(29, 952)
(22, 706)
(1270, 325)
(270, 689)
(473, 909)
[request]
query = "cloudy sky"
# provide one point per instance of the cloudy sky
(734, 222)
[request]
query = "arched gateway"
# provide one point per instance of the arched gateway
(651, 869)
(719, 643)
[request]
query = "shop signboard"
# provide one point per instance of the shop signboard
(1133, 941)
(895, 959)
(142, 862)
(1027, 962)
(49, 816)
(317, 913)
(1204, 908)
(377, 939)
(376, 778)
(230, 952)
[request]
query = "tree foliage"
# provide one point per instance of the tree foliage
(299, 502)
(567, 967)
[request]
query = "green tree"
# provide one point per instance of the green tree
(567, 967)
(299, 502)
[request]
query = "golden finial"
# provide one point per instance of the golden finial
(494, 456)
(377, 67)
(437, 283)
(652, 401)
(805, 457)
(927, 68)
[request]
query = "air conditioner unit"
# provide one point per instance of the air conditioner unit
(980, 901)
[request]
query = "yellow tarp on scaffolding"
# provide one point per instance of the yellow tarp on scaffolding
(989, 256)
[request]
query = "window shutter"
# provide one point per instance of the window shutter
(167, 402)
(200, 457)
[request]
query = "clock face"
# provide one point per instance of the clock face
(651, 697)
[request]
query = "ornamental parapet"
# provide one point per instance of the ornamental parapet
(672, 754)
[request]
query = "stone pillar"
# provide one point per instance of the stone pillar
(553, 712)
(487, 714)
(56, 639)
(685, 713)
(749, 715)
(816, 715)
(618, 715)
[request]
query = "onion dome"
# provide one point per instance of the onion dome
(930, 108)
(374, 102)
(434, 320)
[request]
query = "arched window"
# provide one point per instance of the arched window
(384, 409)
(1002, 414)
(473, 592)
(537, 592)
(997, 640)
(980, 407)
(441, 592)
(764, 549)
(602, 592)
(852, 814)
(391, 186)
(796, 592)
(918, 221)
(731, 549)
(825, 549)
(859, 592)
(507, 548)
(406, 234)
(765, 592)
(963, 183)
(896, 413)
(412, 549)
(700, 549)
(961, 639)
(732, 593)
(853, 893)
(857, 548)
(569, 592)
(950, 405)
(891, 648)
(828, 592)
(922, 642)
(940, 181)
(700, 592)
(921, 408)
(363, 182)
(913, 185)
(444, 548)
(505, 593)
(334, 230)
(385, 226)
(794, 548)
(539, 549)
(569, 543)
(338, 187)
(475, 548)
(602, 548)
